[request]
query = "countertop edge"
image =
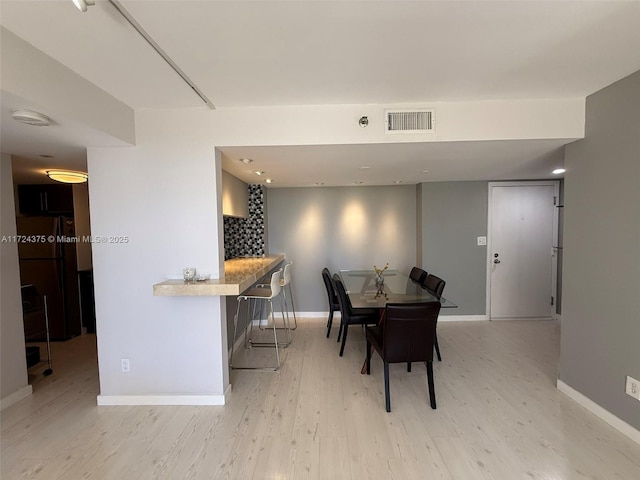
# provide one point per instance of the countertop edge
(218, 286)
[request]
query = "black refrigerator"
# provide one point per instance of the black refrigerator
(47, 251)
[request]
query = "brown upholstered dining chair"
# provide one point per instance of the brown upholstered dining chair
(418, 275)
(351, 316)
(406, 335)
(435, 285)
(334, 306)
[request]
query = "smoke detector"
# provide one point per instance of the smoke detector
(30, 117)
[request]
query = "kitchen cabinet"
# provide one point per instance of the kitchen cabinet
(45, 199)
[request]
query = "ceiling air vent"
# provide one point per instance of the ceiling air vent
(409, 121)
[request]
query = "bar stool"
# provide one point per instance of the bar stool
(284, 283)
(267, 295)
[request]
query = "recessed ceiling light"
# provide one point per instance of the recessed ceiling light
(558, 171)
(30, 117)
(426, 171)
(258, 172)
(357, 183)
(318, 184)
(246, 161)
(268, 180)
(365, 167)
(397, 182)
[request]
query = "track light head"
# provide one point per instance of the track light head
(83, 4)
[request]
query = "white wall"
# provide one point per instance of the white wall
(13, 364)
(235, 196)
(456, 121)
(30, 74)
(163, 196)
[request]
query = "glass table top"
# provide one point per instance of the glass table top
(397, 288)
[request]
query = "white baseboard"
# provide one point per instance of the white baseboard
(105, 400)
(324, 315)
(15, 397)
(441, 318)
(462, 318)
(620, 425)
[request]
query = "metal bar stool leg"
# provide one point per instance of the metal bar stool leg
(293, 307)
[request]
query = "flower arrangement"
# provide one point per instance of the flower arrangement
(380, 270)
(379, 274)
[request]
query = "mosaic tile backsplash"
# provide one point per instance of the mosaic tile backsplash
(245, 236)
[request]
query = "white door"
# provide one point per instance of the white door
(521, 260)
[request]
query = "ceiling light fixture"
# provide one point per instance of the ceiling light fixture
(426, 171)
(364, 167)
(29, 117)
(83, 4)
(67, 176)
(357, 183)
(558, 171)
(268, 180)
(258, 172)
(246, 161)
(397, 182)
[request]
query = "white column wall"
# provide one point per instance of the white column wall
(162, 196)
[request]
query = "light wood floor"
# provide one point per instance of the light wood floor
(499, 417)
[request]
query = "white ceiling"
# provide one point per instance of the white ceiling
(310, 53)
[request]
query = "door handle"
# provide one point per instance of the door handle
(496, 261)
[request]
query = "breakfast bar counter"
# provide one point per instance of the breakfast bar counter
(239, 275)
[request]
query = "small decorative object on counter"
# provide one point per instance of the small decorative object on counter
(189, 274)
(380, 274)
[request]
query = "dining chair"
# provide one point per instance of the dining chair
(418, 275)
(406, 335)
(351, 316)
(435, 285)
(334, 306)
(266, 294)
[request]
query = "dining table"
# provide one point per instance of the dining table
(396, 287)
(372, 289)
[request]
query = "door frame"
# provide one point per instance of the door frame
(554, 252)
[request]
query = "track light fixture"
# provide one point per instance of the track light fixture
(83, 4)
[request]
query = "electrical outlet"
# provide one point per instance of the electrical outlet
(482, 241)
(633, 388)
(124, 364)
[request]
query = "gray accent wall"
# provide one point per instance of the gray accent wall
(340, 228)
(454, 214)
(601, 278)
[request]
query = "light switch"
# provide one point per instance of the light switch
(482, 240)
